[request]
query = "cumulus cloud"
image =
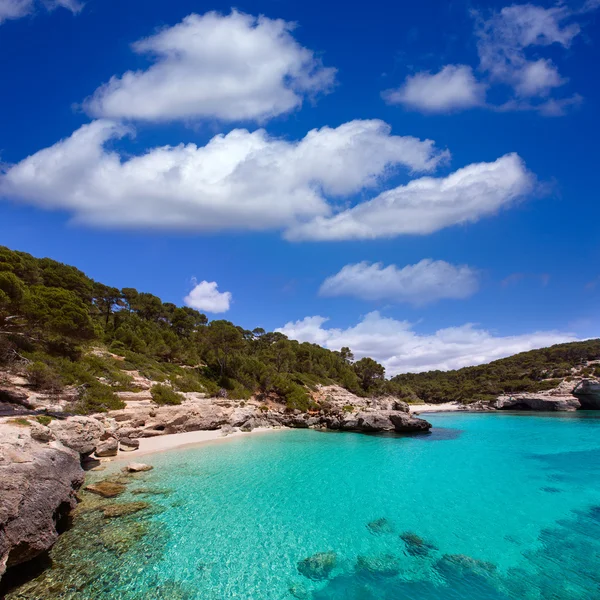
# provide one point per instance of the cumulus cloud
(240, 180)
(16, 9)
(425, 282)
(229, 67)
(205, 296)
(505, 40)
(400, 349)
(453, 88)
(427, 204)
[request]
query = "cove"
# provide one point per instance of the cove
(488, 506)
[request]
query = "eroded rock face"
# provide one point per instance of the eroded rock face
(38, 483)
(588, 394)
(109, 447)
(537, 402)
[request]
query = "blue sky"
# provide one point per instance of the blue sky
(288, 167)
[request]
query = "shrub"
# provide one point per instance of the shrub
(165, 395)
(43, 377)
(20, 422)
(44, 420)
(98, 397)
(348, 408)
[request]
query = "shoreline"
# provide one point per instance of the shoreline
(416, 409)
(171, 441)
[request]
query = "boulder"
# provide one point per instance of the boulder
(129, 445)
(588, 394)
(41, 433)
(404, 423)
(318, 566)
(109, 447)
(81, 434)
(135, 467)
(38, 485)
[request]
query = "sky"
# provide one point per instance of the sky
(416, 181)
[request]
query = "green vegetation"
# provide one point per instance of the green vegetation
(61, 328)
(532, 371)
(20, 422)
(69, 330)
(164, 395)
(44, 420)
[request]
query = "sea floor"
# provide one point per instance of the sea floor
(488, 506)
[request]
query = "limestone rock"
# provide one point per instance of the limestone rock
(109, 447)
(588, 394)
(38, 483)
(129, 445)
(135, 467)
(41, 433)
(538, 402)
(403, 423)
(81, 434)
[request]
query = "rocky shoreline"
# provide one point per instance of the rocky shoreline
(41, 462)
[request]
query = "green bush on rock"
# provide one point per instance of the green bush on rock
(165, 395)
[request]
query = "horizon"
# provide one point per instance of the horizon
(414, 187)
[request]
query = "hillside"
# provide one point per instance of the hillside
(533, 371)
(67, 335)
(63, 332)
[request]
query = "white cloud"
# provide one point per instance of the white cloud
(205, 296)
(452, 88)
(229, 67)
(400, 349)
(16, 9)
(505, 41)
(427, 204)
(425, 282)
(504, 37)
(240, 180)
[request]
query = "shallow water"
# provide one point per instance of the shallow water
(489, 506)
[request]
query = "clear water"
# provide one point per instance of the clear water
(505, 506)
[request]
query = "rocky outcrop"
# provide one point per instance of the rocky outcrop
(588, 394)
(38, 482)
(81, 434)
(538, 402)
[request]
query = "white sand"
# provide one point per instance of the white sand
(161, 443)
(445, 407)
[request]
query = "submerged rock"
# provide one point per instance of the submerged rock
(460, 566)
(137, 468)
(318, 566)
(382, 565)
(123, 509)
(416, 545)
(380, 526)
(106, 489)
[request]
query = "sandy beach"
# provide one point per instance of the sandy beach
(171, 441)
(416, 409)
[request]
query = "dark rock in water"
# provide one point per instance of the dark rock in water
(551, 490)
(416, 545)
(380, 526)
(300, 592)
(460, 566)
(405, 423)
(123, 509)
(588, 394)
(383, 565)
(318, 566)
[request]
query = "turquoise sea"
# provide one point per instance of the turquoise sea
(488, 506)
